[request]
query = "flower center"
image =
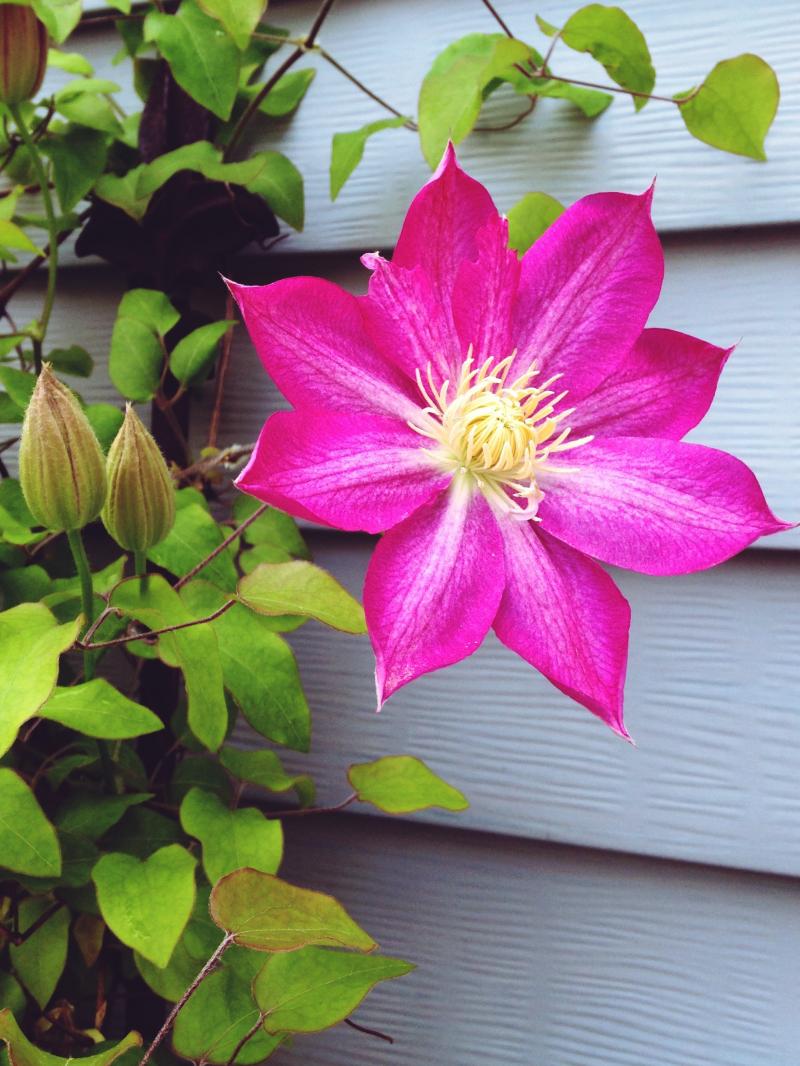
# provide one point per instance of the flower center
(500, 434)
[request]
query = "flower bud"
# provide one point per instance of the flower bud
(140, 507)
(61, 467)
(23, 53)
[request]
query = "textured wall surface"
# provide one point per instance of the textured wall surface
(679, 944)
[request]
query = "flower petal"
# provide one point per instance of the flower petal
(311, 338)
(432, 588)
(439, 230)
(656, 506)
(562, 613)
(484, 295)
(362, 472)
(586, 289)
(662, 388)
(407, 323)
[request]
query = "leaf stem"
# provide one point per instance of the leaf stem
(52, 230)
(221, 547)
(87, 592)
(248, 1036)
(255, 103)
(303, 811)
(156, 632)
(364, 89)
(139, 564)
(222, 370)
(206, 971)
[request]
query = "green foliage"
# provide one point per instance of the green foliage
(98, 709)
(287, 94)
(734, 107)
(263, 768)
(312, 989)
(193, 355)
(452, 92)
(613, 39)
(147, 902)
(24, 1053)
(231, 839)
(39, 961)
(399, 784)
(302, 588)
(347, 150)
(28, 842)
(239, 17)
(530, 217)
(144, 317)
(195, 535)
(263, 913)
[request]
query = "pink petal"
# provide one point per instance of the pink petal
(484, 295)
(662, 388)
(311, 338)
(362, 472)
(564, 615)
(432, 588)
(407, 322)
(657, 506)
(439, 230)
(587, 286)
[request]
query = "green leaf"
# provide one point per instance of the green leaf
(11, 994)
(89, 106)
(18, 384)
(28, 842)
(266, 914)
(264, 768)
(199, 771)
(79, 158)
(105, 420)
(59, 16)
(310, 990)
(280, 183)
(272, 527)
(239, 17)
(258, 667)
(734, 107)
(198, 942)
(91, 815)
(591, 102)
(192, 357)
(221, 1012)
(202, 57)
(98, 709)
(400, 784)
(287, 94)
(195, 535)
(347, 150)
(11, 236)
(23, 1053)
(194, 649)
(613, 39)
(142, 831)
(147, 903)
(73, 360)
(231, 839)
(40, 960)
(71, 62)
(547, 28)
(151, 307)
(300, 587)
(144, 317)
(23, 584)
(530, 217)
(451, 95)
(31, 642)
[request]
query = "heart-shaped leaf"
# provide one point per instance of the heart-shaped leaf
(231, 839)
(147, 903)
(299, 587)
(22, 1052)
(312, 989)
(39, 961)
(399, 784)
(266, 914)
(97, 709)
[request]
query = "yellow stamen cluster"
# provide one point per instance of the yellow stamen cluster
(499, 433)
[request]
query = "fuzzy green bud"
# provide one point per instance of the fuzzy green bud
(61, 466)
(23, 53)
(140, 507)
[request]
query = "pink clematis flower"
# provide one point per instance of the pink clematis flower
(504, 423)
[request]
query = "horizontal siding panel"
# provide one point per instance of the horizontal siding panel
(390, 46)
(538, 955)
(724, 288)
(711, 700)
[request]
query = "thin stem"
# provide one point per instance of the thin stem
(221, 547)
(303, 811)
(498, 18)
(364, 89)
(52, 230)
(618, 89)
(156, 632)
(45, 916)
(369, 1032)
(222, 370)
(87, 592)
(20, 278)
(255, 103)
(248, 1036)
(139, 564)
(514, 121)
(90, 632)
(207, 969)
